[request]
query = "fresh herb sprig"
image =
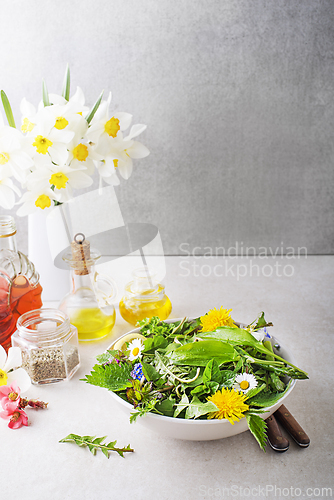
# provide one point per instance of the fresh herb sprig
(94, 443)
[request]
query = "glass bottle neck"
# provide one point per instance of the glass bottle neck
(7, 233)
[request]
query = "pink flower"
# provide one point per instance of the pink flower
(10, 396)
(17, 418)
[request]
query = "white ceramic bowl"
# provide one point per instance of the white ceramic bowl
(197, 430)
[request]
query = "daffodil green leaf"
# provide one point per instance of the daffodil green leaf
(8, 110)
(91, 114)
(93, 443)
(66, 84)
(46, 101)
(258, 427)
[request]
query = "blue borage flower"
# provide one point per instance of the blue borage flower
(267, 336)
(137, 372)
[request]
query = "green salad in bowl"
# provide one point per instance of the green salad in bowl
(198, 379)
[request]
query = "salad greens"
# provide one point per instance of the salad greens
(181, 371)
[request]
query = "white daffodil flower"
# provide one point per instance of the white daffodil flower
(11, 154)
(81, 153)
(62, 177)
(105, 124)
(45, 139)
(10, 369)
(7, 189)
(76, 102)
(128, 149)
(39, 198)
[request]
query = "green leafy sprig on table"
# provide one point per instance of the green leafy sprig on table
(94, 443)
(183, 366)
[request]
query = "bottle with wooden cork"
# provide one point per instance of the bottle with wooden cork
(89, 304)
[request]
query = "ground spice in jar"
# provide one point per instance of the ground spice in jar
(50, 364)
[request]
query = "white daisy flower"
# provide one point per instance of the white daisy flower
(10, 369)
(135, 348)
(244, 382)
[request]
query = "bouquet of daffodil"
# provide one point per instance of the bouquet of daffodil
(60, 146)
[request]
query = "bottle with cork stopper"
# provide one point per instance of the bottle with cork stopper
(89, 304)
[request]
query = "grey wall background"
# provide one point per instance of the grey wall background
(237, 95)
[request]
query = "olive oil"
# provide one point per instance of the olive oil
(92, 323)
(144, 298)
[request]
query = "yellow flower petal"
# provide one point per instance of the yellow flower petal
(230, 405)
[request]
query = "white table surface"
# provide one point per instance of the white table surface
(34, 465)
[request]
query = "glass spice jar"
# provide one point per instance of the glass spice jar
(49, 345)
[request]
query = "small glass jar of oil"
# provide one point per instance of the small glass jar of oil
(144, 297)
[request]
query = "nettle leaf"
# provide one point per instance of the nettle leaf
(114, 377)
(212, 372)
(264, 399)
(106, 356)
(196, 408)
(93, 443)
(258, 427)
(252, 392)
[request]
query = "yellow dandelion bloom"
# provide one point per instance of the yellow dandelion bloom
(215, 318)
(231, 405)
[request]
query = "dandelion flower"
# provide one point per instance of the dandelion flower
(244, 382)
(231, 405)
(215, 318)
(135, 348)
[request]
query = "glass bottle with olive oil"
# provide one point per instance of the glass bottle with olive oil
(89, 303)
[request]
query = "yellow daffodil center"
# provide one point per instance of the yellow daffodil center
(27, 125)
(112, 127)
(4, 158)
(3, 377)
(115, 163)
(80, 152)
(135, 351)
(43, 201)
(42, 144)
(58, 180)
(61, 123)
(244, 384)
